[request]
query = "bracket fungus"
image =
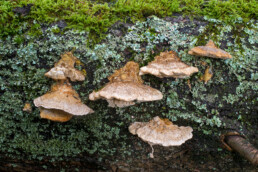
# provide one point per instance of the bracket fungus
(210, 50)
(61, 103)
(64, 69)
(168, 64)
(125, 87)
(161, 132)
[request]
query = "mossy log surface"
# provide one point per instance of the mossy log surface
(228, 101)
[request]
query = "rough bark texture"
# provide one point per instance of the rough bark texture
(101, 140)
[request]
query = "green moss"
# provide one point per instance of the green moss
(55, 30)
(209, 33)
(97, 16)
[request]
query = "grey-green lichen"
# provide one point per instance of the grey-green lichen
(25, 58)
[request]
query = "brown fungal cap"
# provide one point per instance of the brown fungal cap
(63, 97)
(123, 94)
(128, 73)
(125, 87)
(55, 115)
(210, 50)
(168, 64)
(64, 69)
(161, 132)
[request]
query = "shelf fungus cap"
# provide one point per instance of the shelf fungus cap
(210, 50)
(168, 64)
(63, 97)
(161, 132)
(125, 87)
(64, 69)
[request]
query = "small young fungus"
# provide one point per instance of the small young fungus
(207, 75)
(27, 108)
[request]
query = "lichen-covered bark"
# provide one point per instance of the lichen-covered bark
(227, 102)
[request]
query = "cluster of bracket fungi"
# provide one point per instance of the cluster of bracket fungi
(125, 87)
(62, 102)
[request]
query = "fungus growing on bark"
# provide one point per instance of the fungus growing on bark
(210, 50)
(168, 64)
(27, 108)
(125, 87)
(55, 115)
(161, 132)
(207, 75)
(64, 69)
(61, 102)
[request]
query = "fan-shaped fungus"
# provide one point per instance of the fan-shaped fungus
(161, 132)
(210, 50)
(168, 64)
(125, 87)
(64, 69)
(61, 103)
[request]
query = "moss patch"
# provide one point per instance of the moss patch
(96, 16)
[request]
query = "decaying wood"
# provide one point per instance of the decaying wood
(238, 143)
